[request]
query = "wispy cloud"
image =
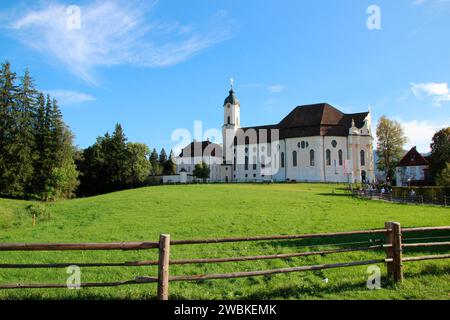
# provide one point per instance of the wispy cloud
(69, 97)
(115, 32)
(437, 92)
(420, 133)
(276, 88)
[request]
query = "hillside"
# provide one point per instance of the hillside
(208, 211)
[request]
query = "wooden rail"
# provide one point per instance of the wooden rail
(392, 233)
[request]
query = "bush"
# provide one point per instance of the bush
(40, 211)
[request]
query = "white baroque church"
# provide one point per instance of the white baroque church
(313, 143)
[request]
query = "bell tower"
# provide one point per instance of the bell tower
(231, 122)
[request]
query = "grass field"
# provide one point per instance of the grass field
(208, 211)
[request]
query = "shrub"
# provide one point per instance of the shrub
(427, 192)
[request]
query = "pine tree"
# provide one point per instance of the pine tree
(162, 159)
(40, 173)
(23, 143)
(8, 127)
(170, 167)
(117, 159)
(155, 169)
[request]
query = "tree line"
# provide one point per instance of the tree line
(38, 159)
(113, 164)
(36, 149)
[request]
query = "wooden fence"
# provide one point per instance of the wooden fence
(392, 244)
(441, 200)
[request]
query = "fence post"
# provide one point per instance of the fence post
(163, 267)
(389, 250)
(397, 252)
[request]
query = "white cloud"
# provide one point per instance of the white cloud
(115, 32)
(68, 97)
(420, 133)
(438, 92)
(276, 88)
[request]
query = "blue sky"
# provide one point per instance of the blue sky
(156, 66)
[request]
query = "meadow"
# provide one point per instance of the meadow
(219, 210)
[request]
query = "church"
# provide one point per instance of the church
(313, 143)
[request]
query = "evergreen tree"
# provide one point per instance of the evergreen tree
(8, 127)
(24, 139)
(154, 161)
(163, 159)
(117, 159)
(170, 167)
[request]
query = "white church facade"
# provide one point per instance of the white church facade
(313, 143)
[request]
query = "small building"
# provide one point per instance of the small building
(412, 170)
(197, 152)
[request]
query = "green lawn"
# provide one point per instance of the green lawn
(208, 211)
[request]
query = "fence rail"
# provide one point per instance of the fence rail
(393, 235)
(442, 200)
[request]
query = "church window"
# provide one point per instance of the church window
(334, 143)
(311, 158)
(340, 157)
(294, 158)
(254, 175)
(328, 157)
(363, 158)
(247, 141)
(303, 144)
(246, 163)
(282, 160)
(229, 120)
(234, 164)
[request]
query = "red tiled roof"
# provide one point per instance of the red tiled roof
(413, 158)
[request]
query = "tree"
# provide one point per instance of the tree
(391, 139)
(170, 166)
(201, 171)
(443, 179)
(8, 128)
(138, 162)
(156, 168)
(163, 158)
(440, 152)
(117, 159)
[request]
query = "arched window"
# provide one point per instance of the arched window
(229, 120)
(234, 164)
(247, 141)
(340, 157)
(363, 158)
(311, 158)
(328, 157)
(282, 160)
(294, 158)
(246, 163)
